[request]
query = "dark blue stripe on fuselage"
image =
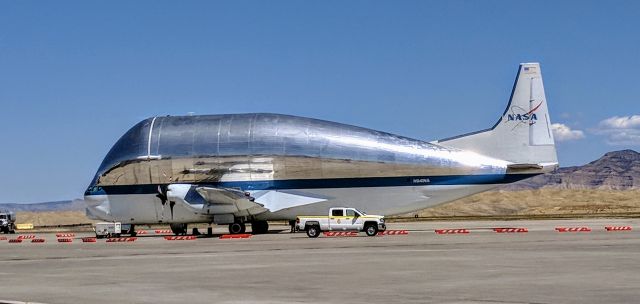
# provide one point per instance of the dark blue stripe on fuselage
(484, 179)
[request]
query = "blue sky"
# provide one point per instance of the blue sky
(74, 76)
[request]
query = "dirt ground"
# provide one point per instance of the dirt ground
(540, 202)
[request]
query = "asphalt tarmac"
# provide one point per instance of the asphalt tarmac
(539, 266)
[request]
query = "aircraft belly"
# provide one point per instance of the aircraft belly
(380, 200)
(147, 208)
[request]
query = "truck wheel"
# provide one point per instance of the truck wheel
(236, 228)
(313, 231)
(371, 230)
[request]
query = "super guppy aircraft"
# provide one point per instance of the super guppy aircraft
(249, 168)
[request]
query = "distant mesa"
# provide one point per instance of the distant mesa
(71, 205)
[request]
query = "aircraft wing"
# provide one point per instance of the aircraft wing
(226, 201)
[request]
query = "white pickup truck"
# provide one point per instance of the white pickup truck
(341, 219)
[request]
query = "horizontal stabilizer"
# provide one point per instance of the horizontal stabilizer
(520, 168)
(524, 166)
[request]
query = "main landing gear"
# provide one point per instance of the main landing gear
(237, 228)
(260, 227)
(257, 227)
(179, 229)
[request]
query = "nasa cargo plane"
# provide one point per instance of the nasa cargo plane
(250, 168)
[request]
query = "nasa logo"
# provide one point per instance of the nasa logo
(525, 116)
(529, 116)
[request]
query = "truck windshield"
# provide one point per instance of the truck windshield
(353, 213)
(3, 216)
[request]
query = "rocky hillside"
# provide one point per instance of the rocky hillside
(74, 205)
(617, 170)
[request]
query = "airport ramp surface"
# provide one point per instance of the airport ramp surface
(542, 265)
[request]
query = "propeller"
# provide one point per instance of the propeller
(162, 195)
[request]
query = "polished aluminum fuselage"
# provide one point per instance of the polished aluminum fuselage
(293, 157)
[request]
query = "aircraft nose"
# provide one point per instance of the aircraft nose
(94, 200)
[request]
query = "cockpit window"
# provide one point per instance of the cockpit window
(131, 145)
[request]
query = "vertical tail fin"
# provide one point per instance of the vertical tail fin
(523, 134)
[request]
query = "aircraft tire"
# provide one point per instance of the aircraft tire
(237, 228)
(259, 227)
(178, 229)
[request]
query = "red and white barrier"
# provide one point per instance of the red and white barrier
(573, 229)
(340, 233)
(122, 240)
(235, 236)
(65, 240)
(15, 241)
(3, 238)
(65, 235)
(163, 231)
(618, 228)
(27, 236)
(510, 230)
(37, 241)
(89, 240)
(141, 232)
(452, 231)
(180, 238)
(393, 232)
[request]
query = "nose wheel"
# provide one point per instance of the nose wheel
(237, 228)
